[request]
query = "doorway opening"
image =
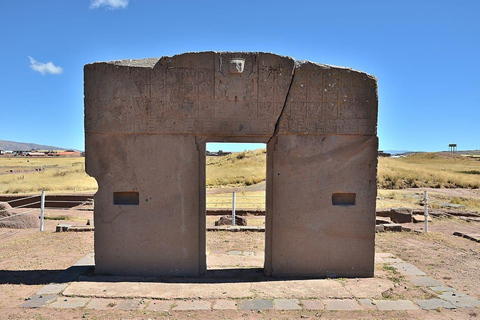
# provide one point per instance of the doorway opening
(235, 205)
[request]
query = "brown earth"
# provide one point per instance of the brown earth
(30, 259)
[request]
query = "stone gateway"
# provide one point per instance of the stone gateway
(147, 123)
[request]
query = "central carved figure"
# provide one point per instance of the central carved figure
(146, 126)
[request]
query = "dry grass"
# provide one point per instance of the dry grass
(436, 170)
(31, 175)
(237, 169)
(244, 200)
(433, 170)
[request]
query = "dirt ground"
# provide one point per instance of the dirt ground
(30, 259)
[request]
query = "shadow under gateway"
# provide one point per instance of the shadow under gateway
(87, 274)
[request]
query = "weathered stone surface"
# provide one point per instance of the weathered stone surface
(343, 232)
(385, 305)
(223, 304)
(14, 219)
(420, 218)
(69, 303)
(256, 304)
(401, 215)
(433, 304)
(287, 304)
(392, 227)
(147, 123)
(39, 300)
(313, 304)
(192, 305)
(459, 300)
(159, 305)
(425, 281)
(342, 304)
(408, 269)
(227, 221)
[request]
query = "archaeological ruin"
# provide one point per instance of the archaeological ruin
(147, 123)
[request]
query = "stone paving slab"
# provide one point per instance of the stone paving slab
(442, 289)
(127, 304)
(218, 292)
(287, 304)
(425, 281)
(224, 304)
(432, 304)
(52, 288)
(367, 288)
(100, 304)
(408, 269)
(367, 304)
(460, 300)
(159, 305)
(318, 288)
(69, 303)
(313, 304)
(192, 305)
(39, 301)
(395, 305)
(158, 290)
(342, 304)
(256, 304)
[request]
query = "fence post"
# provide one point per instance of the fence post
(42, 209)
(233, 209)
(426, 210)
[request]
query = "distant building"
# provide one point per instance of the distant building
(218, 154)
(65, 154)
(383, 154)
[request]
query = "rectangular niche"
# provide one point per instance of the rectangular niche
(126, 198)
(343, 199)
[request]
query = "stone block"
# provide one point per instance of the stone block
(313, 304)
(395, 305)
(342, 304)
(432, 304)
(38, 301)
(192, 305)
(392, 227)
(147, 123)
(69, 303)
(287, 304)
(256, 304)
(425, 281)
(401, 215)
(227, 221)
(159, 305)
(222, 304)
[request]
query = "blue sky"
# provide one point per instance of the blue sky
(425, 54)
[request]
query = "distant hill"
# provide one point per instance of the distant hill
(25, 146)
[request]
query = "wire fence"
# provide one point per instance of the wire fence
(39, 201)
(242, 201)
(35, 200)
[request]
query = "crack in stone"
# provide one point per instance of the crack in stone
(277, 123)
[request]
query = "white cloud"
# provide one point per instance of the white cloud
(110, 4)
(45, 68)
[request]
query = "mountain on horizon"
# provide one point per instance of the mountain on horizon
(25, 146)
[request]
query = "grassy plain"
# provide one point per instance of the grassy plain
(237, 169)
(31, 175)
(429, 170)
(244, 172)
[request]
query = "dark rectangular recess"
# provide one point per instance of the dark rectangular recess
(126, 198)
(343, 199)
